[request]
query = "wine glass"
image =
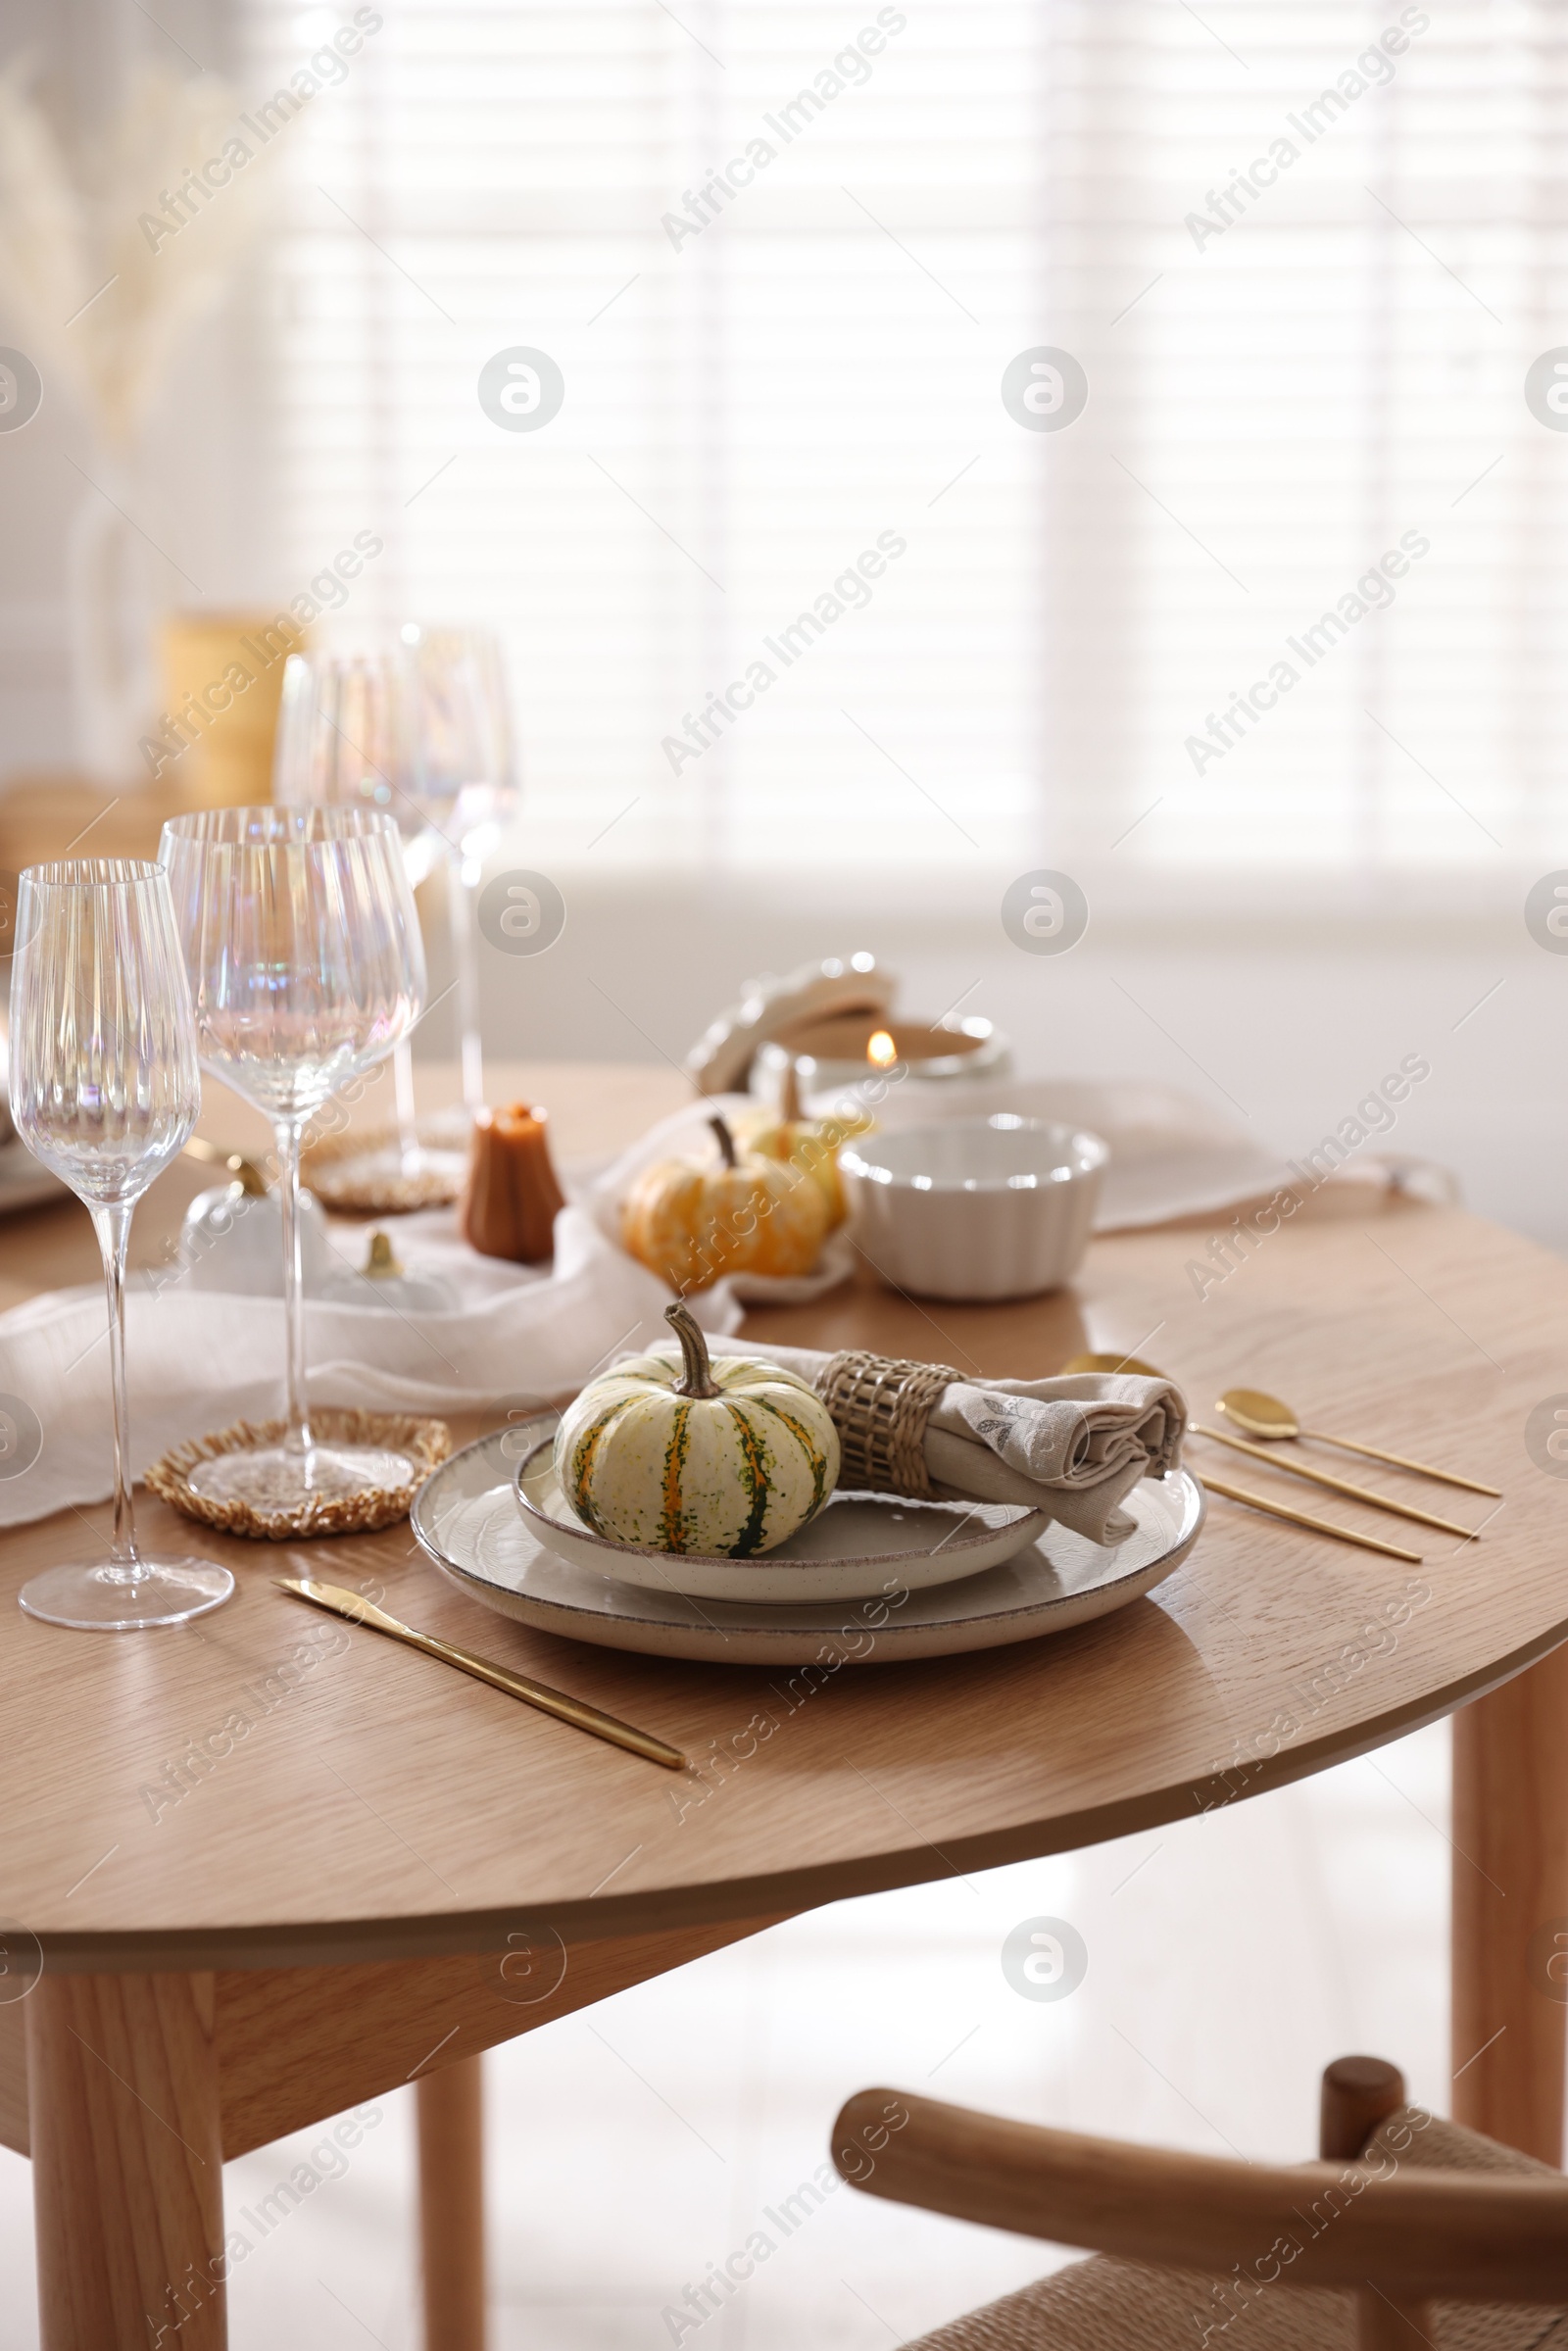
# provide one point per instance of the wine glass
(306, 967)
(466, 787)
(104, 1090)
(346, 738)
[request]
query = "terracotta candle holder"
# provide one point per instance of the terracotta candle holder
(510, 1204)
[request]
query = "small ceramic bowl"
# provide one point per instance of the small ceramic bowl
(976, 1208)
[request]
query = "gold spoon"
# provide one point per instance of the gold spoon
(1243, 1494)
(1264, 1415)
(1321, 1477)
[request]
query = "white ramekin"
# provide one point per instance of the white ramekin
(975, 1207)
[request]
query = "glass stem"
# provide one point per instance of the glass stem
(408, 1116)
(113, 1228)
(289, 1135)
(461, 901)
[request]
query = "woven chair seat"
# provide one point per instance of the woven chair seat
(1103, 2305)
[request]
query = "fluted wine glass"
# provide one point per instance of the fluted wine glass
(104, 1090)
(306, 967)
(466, 786)
(347, 738)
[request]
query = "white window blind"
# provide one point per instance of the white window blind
(1293, 374)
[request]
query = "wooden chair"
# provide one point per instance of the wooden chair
(1409, 2230)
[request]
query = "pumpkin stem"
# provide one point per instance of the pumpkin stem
(697, 1377)
(789, 1093)
(382, 1266)
(726, 1144)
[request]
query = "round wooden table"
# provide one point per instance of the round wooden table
(390, 1868)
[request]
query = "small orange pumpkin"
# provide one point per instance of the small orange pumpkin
(690, 1222)
(810, 1144)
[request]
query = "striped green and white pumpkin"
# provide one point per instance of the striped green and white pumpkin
(724, 1458)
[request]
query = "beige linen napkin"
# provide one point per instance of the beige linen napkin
(1074, 1447)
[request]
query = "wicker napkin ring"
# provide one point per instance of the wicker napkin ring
(880, 1406)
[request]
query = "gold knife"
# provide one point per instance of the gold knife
(1321, 1477)
(1301, 1518)
(359, 1611)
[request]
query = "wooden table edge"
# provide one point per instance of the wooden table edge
(785, 1893)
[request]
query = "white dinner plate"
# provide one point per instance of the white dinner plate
(467, 1518)
(856, 1544)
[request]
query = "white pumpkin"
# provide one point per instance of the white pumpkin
(724, 1458)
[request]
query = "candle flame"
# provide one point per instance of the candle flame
(880, 1049)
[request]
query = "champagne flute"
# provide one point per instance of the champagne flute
(306, 967)
(466, 786)
(104, 1090)
(345, 739)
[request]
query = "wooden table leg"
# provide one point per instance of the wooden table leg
(452, 2206)
(127, 2165)
(1511, 1894)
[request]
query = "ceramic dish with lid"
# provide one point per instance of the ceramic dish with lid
(991, 1208)
(833, 1055)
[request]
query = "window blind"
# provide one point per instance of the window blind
(786, 584)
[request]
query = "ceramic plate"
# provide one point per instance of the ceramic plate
(857, 1545)
(467, 1518)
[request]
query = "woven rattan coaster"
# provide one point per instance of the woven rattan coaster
(424, 1442)
(361, 1173)
(880, 1406)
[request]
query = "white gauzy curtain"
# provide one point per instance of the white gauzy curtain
(1286, 595)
